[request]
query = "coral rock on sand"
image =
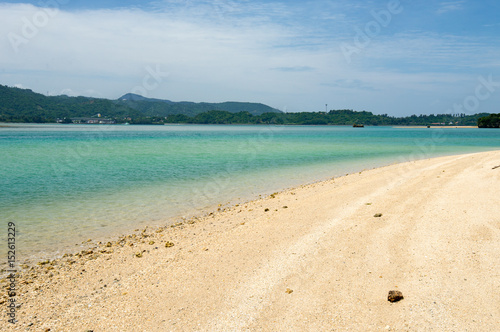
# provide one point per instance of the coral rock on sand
(395, 296)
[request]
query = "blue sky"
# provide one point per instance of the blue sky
(397, 57)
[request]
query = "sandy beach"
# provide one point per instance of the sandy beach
(320, 257)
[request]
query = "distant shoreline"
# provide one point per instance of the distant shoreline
(26, 124)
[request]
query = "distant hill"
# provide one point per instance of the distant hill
(158, 107)
(135, 97)
(24, 105)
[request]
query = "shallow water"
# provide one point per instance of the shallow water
(62, 184)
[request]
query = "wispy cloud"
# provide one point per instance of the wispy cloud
(350, 84)
(440, 52)
(450, 6)
(295, 69)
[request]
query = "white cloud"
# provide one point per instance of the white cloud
(450, 6)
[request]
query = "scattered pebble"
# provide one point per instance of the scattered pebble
(378, 215)
(266, 210)
(289, 291)
(395, 296)
(169, 244)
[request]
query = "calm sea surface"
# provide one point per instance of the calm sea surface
(62, 184)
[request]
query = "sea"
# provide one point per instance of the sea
(64, 184)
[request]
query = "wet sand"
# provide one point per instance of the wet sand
(320, 257)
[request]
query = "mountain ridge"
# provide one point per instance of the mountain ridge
(164, 107)
(25, 105)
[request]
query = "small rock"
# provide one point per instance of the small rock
(395, 296)
(138, 254)
(378, 215)
(109, 244)
(169, 244)
(289, 291)
(266, 210)
(151, 242)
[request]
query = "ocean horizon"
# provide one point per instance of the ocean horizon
(64, 184)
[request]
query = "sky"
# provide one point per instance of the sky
(396, 57)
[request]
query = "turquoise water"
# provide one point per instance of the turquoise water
(62, 184)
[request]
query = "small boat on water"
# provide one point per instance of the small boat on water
(358, 125)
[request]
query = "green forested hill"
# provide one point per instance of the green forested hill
(23, 105)
(157, 107)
